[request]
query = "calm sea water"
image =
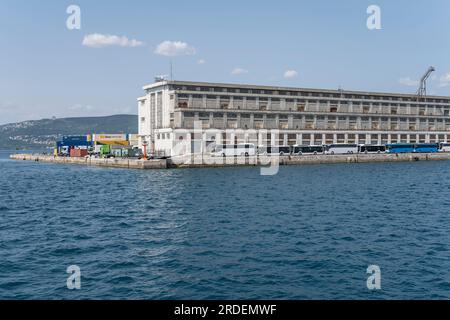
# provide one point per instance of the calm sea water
(309, 232)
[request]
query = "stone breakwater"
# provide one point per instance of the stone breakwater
(115, 163)
(199, 161)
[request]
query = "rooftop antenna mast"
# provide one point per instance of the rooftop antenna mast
(341, 91)
(422, 92)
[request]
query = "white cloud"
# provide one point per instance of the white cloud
(407, 81)
(174, 48)
(444, 81)
(97, 40)
(290, 74)
(238, 71)
(201, 61)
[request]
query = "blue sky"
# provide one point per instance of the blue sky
(45, 70)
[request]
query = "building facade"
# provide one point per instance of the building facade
(231, 113)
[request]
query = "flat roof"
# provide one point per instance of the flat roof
(277, 88)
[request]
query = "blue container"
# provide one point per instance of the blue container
(74, 139)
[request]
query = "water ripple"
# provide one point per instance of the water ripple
(307, 233)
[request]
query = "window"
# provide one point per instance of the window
(203, 116)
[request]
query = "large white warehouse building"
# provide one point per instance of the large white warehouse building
(234, 113)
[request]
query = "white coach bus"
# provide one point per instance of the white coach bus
(233, 150)
(341, 149)
(444, 147)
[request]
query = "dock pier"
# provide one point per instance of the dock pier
(199, 161)
(101, 162)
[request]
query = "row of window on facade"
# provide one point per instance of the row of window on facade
(340, 95)
(340, 124)
(318, 107)
(205, 116)
(316, 139)
(164, 136)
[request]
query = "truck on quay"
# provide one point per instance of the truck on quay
(108, 151)
(131, 152)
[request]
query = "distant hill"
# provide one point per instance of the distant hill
(44, 133)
